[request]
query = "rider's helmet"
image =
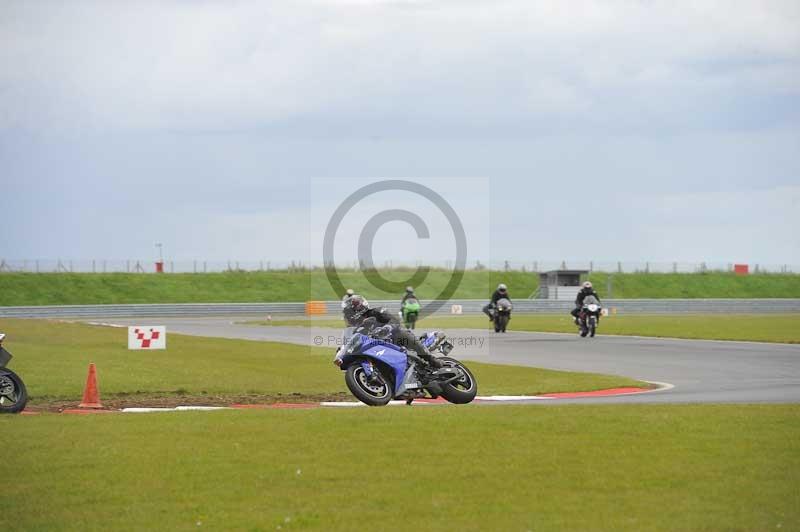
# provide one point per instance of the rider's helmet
(502, 288)
(356, 303)
(587, 285)
(409, 289)
(354, 308)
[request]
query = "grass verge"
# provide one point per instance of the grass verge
(52, 358)
(779, 328)
(569, 467)
(242, 287)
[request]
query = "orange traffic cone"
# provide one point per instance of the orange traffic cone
(91, 396)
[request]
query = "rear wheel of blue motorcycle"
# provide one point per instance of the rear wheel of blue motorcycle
(13, 395)
(463, 390)
(373, 392)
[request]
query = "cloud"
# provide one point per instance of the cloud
(367, 65)
(220, 113)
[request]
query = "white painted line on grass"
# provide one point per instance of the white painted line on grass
(143, 410)
(192, 407)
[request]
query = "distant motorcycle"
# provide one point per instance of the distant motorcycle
(411, 308)
(377, 371)
(589, 316)
(501, 314)
(13, 395)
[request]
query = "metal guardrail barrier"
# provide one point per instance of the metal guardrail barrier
(468, 306)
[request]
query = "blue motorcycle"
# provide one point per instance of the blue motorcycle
(377, 371)
(13, 395)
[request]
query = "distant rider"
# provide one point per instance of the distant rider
(356, 310)
(411, 312)
(500, 293)
(347, 295)
(409, 293)
(584, 292)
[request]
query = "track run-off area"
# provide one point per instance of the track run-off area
(689, 371)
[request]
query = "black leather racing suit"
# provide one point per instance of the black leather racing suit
(399, 335)
(583, 294)
(497, 296)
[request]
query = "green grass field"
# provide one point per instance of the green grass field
(239, 287)
(569, 467)
(52, 357)
(782, 328)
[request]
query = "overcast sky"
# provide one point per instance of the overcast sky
(557, 130)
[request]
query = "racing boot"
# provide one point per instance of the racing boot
(432, 361)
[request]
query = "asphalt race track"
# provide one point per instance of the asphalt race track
(701, 371)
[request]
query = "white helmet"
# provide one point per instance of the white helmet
(347, 295)
(587, 284)
(501, 287)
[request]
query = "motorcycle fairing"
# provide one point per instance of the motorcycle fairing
(388, 353)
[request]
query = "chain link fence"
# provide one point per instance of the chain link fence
(216, 266)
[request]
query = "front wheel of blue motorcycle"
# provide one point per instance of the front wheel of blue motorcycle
(13, 395)
(374, 390)
(462, 390)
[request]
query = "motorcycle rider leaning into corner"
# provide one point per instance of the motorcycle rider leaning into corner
(585, 291)
(500, 293)
(356, 310)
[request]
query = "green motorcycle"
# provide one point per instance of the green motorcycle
(411, 309)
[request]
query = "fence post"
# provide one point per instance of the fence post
(204, 266)
(37, 265)
(609, 287)
(94, 270)
(674, 267)
(619, 267)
